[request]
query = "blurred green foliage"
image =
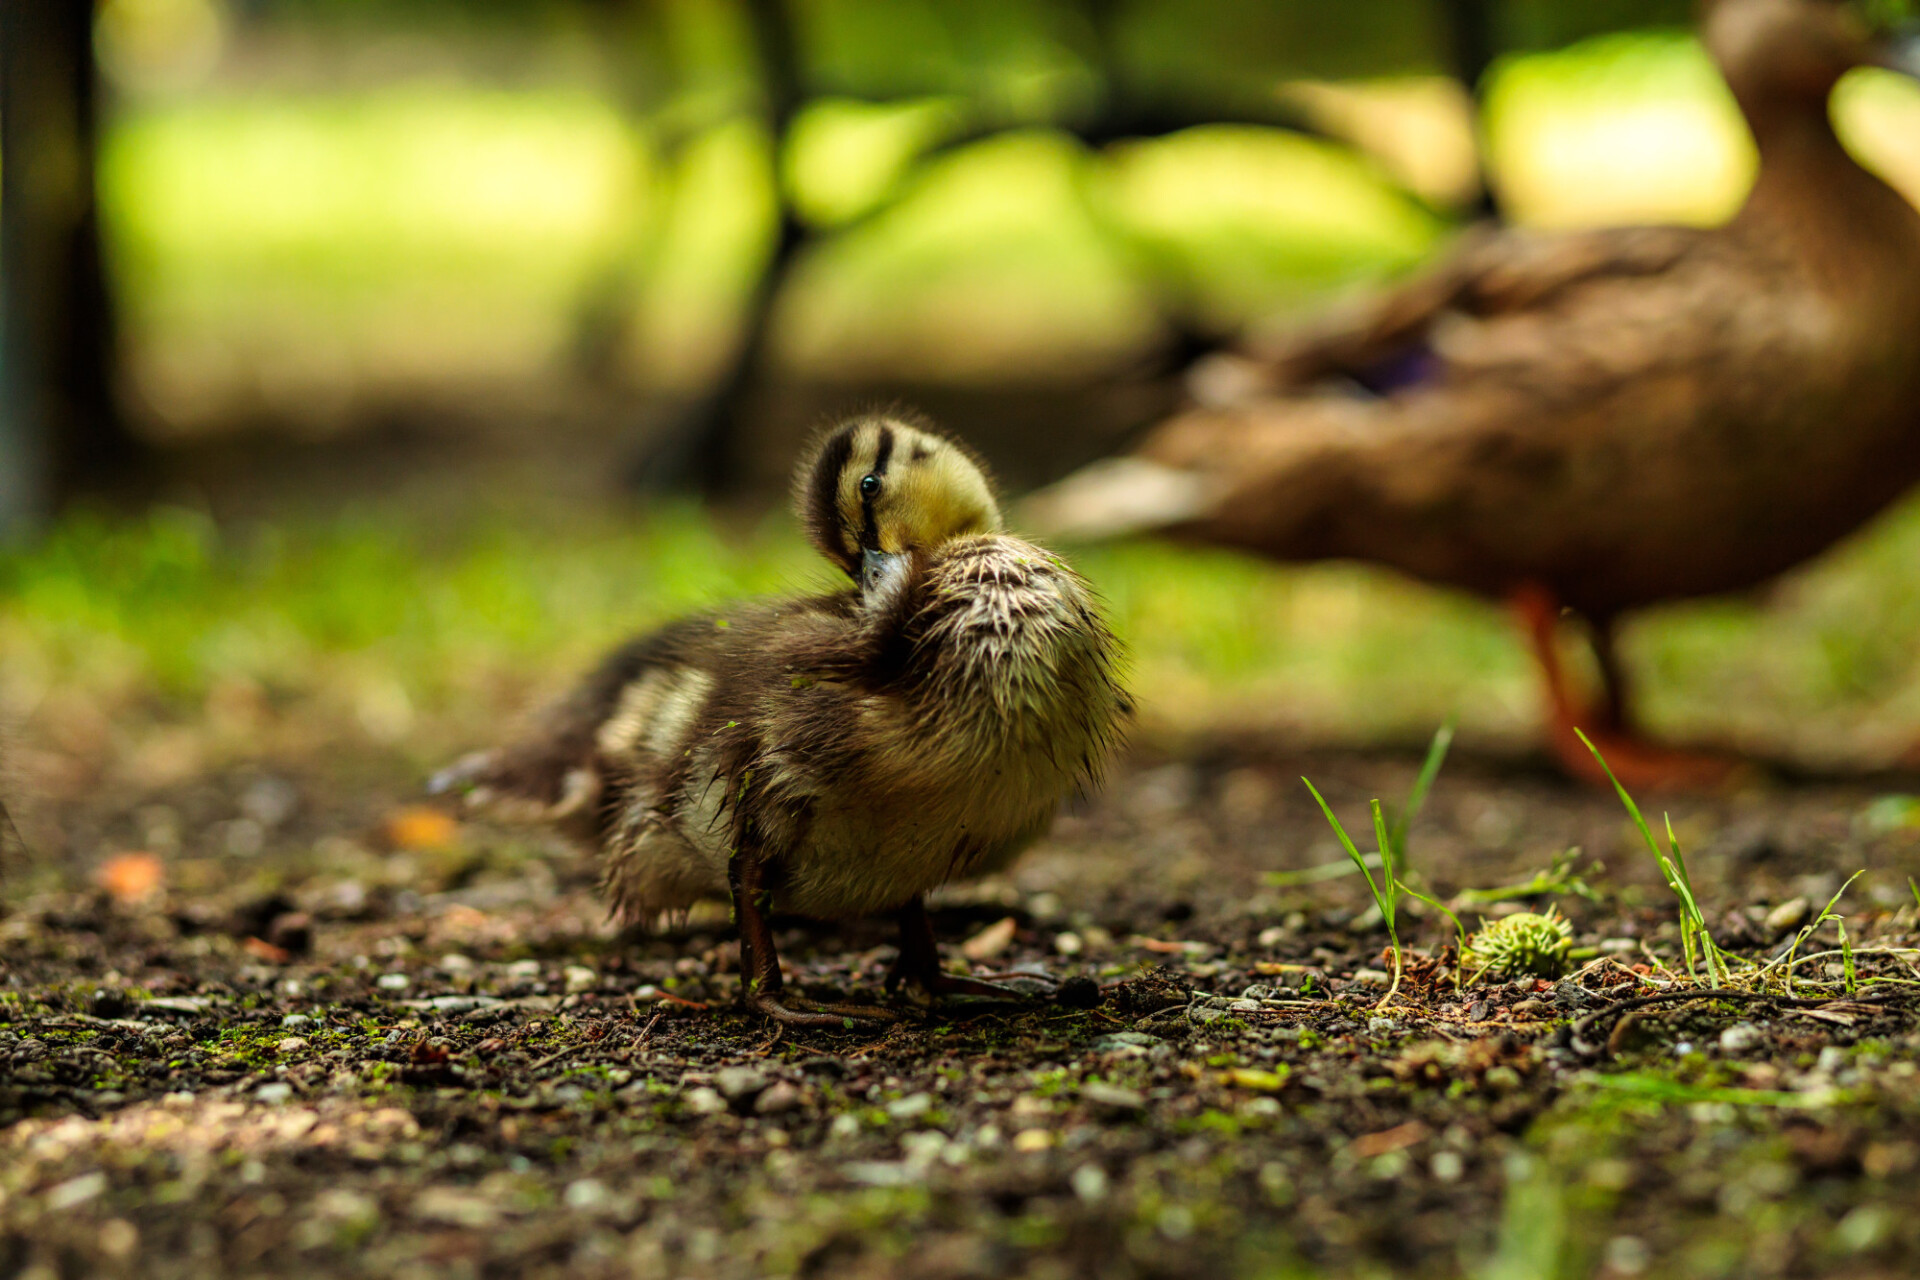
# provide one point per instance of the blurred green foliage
(464, 624)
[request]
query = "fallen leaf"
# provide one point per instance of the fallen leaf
(1173, 948)
(422, 828)
(261, 949)
(130, 877)
(1397, 1138)
(990, 941)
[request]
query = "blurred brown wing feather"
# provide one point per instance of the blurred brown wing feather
(1490, 273)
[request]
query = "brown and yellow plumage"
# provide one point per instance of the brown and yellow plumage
(837, 755)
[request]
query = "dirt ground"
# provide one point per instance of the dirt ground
(418, 1049)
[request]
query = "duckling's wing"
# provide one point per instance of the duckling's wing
(553, 771)
(1387, 341)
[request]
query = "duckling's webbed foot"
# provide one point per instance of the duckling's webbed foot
(760, 963)
(918, 964)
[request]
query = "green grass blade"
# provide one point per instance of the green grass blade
(1846, 958)
(1826, 912)
(1389, 870)
(1633, 810)
(1345, 843)
(1422, 783)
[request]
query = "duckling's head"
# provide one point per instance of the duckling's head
(876, 489)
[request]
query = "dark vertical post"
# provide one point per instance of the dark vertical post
(1472, 49)
(703, 450)
(58, 422)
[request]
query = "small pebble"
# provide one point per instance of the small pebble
(109, 1002)
(1533, 1010)
(392, 982)
(1068, 944)
(1111, 1099)
(1788, 916)
(75, 1192)
(1272, 936)
(1031, 1140)
(587, 1195)
(292, 1044)
(524, 969)
(705, 1102)
(740, 1084)
(454, 962)
(1740, 1038)
(1131, 1042)
(296, 1022)
(1367, 921)
(780, 1097)
(580, 978)
(274, 1093)
(990, 941)
(1372, 977)
(1089, 1183)
(911, 1107)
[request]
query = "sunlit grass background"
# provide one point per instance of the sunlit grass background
(299, 253)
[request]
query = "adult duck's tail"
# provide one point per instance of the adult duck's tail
(1116, 497)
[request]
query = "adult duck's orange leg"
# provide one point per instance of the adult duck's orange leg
(1635, 761)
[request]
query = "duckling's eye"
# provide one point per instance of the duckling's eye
(869, 485)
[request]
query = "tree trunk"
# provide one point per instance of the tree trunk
(58, 424)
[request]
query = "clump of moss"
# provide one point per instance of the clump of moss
(1523, 944)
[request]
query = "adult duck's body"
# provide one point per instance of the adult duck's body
(1593, 421)
(836, 755)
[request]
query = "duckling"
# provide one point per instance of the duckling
(842, 754)
(1595, 421)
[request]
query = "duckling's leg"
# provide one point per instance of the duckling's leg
(919, 962)
(1635, 761)
(760, 964)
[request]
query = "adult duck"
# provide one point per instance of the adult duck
(1589, 421)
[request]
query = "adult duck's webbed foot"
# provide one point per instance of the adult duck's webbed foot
(1639, 763)
(762, 988)
(918, 965)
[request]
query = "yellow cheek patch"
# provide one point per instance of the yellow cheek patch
(934, 497)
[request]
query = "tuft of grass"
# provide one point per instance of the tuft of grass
(1385, 890)
(1391, 857)
(1696, 940)
(1559, 878)
(1788, 962)
(1397, 837)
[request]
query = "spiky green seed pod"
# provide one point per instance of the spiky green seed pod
(1522, 944)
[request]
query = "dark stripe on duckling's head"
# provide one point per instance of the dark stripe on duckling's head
(817, 494)
(883, 484)
(870, 486)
